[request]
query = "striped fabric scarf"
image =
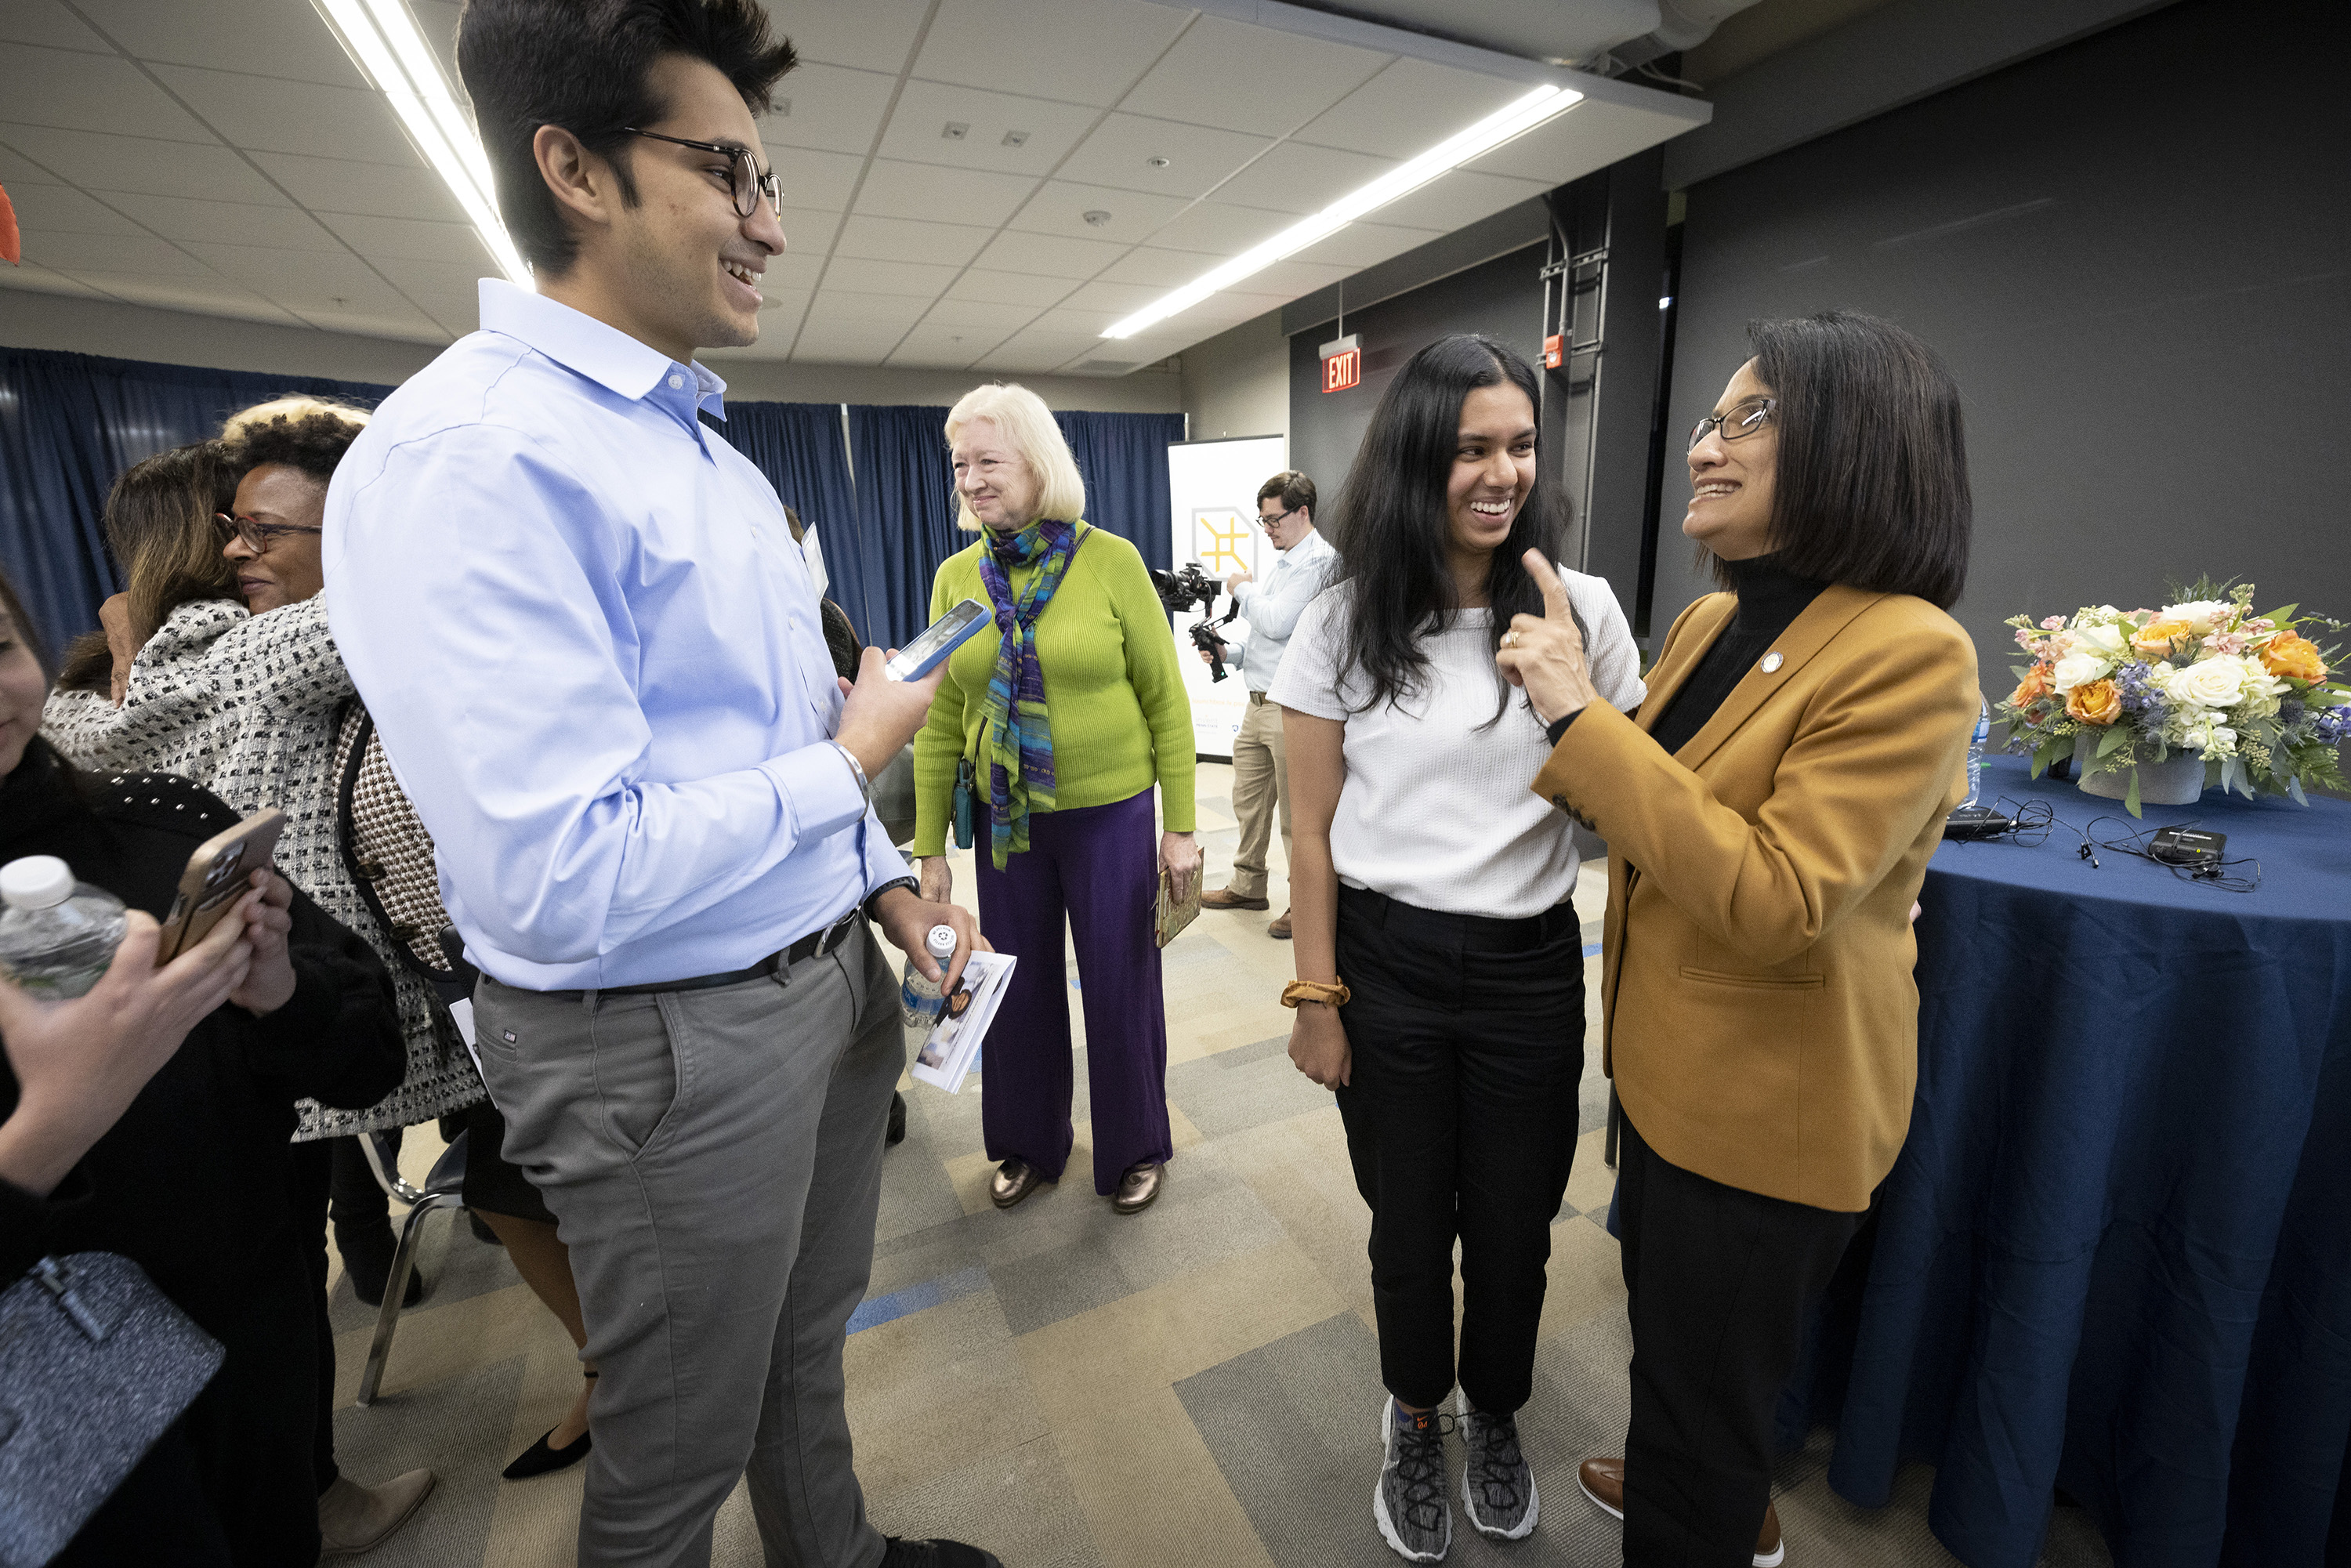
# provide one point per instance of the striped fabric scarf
(1014, 729)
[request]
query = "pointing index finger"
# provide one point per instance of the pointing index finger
(1554, 592)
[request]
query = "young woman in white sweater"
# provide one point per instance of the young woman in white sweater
(1439, 957)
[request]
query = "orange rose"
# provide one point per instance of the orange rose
(2155, 639)
(2294, 656)
(2095, 702)
(2034, 687)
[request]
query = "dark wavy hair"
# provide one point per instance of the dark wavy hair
(160, 530)
(586, 66)
(1389, 523)
(1870, 484)
(313, 441)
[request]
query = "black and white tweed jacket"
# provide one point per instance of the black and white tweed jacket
(245, 706)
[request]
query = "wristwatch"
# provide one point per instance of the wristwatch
(873, 900)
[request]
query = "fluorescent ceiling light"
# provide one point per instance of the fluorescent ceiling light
(1450, 154)
(382, 40)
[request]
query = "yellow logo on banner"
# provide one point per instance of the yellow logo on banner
(1220, 537)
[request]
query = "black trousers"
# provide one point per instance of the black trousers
(331, 1174)
(1467, 1042)
(1718, 1282)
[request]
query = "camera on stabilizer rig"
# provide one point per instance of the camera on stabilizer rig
(1180, 592)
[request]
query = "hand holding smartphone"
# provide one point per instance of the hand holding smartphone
(941, 638)
(219, 874)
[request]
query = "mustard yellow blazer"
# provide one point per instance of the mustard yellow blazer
(1762, 1023)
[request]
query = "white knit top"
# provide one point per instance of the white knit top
(1436, 810)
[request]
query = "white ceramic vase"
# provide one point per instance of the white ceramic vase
(2176, 781)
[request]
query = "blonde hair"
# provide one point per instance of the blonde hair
(1028, 427)
(294, 405)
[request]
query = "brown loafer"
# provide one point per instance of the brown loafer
(1226, 898)
(1015, 1180)
(1603, 1481)
(1139, 1187)
(1279, 930)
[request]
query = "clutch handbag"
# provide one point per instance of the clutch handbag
(95, 1365)
(1173, 913)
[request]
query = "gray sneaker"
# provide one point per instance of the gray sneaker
(1409, 1503)
(1498, 1487)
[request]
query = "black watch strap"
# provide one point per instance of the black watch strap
(873, 900)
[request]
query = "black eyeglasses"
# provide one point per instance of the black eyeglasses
(257, 536)
(1742, 419)
(1266, 522)
(748, 182)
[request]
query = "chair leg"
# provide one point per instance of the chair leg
(387, 1317)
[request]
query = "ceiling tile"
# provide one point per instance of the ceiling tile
(421, 280)
(898, 239)
(270, 38)
(1297, 178)
(89, 92)
(226, 222)
(896, 190)
(210, 294)
(1222, 310)
(1359, 244)
(411, 239)
(943, 348)
(41, 280)
(1034, 352)
(308, 283)
(780, 309)
(1409, 107)
(142, 254)
(1217, 229)
(1097, 46)
(61, 209)
(47, 23)
(793, 270)
(976, 314)
(16, 171)
(839, 343)
(1246, 77)
(1590, 136)
(1078, 323)
(259, 114)
(1009, 288)
(833, 109)
(371, 190)
(1120, 299)
(1060, 206)
(1455, 200)
(1159, 269)
(392, 321)
(1120, 152)
(457, 314)
(437, 20)
(1048, 256)
(815, 179)
(846, 307)
(873, 35)
(1293, 277)
(142, 166)
(910, 277)
(1048, 129)
(809, 231)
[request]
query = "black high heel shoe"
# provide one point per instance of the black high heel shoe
(539, 1459)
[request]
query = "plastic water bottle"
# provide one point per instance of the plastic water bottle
(919, 998)
(1975, 750)
(56, 935)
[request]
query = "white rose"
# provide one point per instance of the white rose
(2079, 669)
(2208, 683)
(2203, 614)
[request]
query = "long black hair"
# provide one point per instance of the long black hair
(1390, 522)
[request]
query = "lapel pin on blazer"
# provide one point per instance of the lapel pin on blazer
(1772, 661)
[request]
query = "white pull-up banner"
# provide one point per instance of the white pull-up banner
(1212, 516)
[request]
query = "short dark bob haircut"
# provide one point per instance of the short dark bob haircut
(1872, 483)
(1390, 524)
(586, 66)
(1291, 488)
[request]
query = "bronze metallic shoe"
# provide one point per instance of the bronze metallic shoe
(1015, 1180)
(1139, 1186)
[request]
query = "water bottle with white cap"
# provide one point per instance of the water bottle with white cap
(1976, 750)
(56, 935)
(919, 999)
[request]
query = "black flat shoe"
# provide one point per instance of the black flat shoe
(897, 1133)
(367, 1262)
(538, 1459)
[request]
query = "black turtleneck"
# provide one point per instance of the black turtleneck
(1768, 598)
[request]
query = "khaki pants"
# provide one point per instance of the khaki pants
(1260, 785)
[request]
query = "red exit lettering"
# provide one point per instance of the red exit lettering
(1342, 371)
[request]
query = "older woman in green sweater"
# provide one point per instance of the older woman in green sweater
(1058, 725)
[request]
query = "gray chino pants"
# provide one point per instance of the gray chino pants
(713, 1161)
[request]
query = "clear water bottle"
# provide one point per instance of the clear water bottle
(56, 934)
(1975, 750)
(919, 998)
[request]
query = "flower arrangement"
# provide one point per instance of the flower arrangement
(2206, 674)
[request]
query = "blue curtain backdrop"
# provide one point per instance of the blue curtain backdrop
(68, 424)
(800, 447)
(906, 512)
(1123, 459)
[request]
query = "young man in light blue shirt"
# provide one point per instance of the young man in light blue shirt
(597, 660)
(1285, 510)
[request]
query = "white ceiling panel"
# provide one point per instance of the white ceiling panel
(895, 190)
(41, 280)
(1246, 77)
(16, 171)
(780, 308)
(1588, 137)
(1289, 280)
(790, 271)
(118, 252)
(872, 34)
(408, 239)
(1048, 256)
(993, 287)
(405, 321)
(977, 316)
(78, 91)
(268, 37)
(1300, 178)
(845, 343)
(1459, 199)
(1044, 130)
(1162, 269)
(1067, 319)
(811, 178)
(292, 116)
(896, 312)
(901, 239)
(943, 348)
(1079, 51)
(808, 233)
(1409, 107)
(1358, 246)
(924, 279)
(1218, 230)
(422, 280)
(61, 209)
(209, 293)
(1034, 352)
(305, 281)
(1120, 153)
(47, 23)
(1119, 299)
(833, 108)
(1060, 207)
(230, 223)
(369, 190)
(141, 166)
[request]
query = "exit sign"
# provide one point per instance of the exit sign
(1343, 362)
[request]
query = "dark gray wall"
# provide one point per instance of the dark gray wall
(2132, 251)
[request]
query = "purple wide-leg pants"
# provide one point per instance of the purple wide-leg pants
(1098, 866)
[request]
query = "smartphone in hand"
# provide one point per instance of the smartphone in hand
(219, 874)
(941, 638)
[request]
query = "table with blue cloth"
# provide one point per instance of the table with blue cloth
(2115, 1256)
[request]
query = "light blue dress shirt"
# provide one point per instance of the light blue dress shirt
(596, 659)
(1272, 607)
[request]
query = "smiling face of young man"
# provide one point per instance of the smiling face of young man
(680, 270)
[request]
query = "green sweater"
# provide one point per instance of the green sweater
(1114, 691)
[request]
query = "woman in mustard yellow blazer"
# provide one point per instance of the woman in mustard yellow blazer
(1769, 813)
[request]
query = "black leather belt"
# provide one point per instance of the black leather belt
(813, 945)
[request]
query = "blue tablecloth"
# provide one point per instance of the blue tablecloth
(2115, 1256)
